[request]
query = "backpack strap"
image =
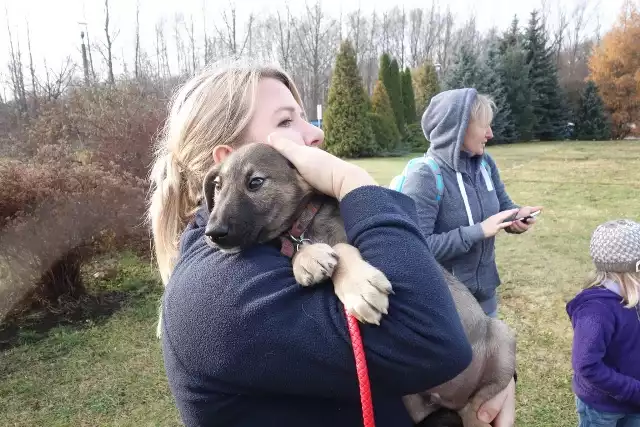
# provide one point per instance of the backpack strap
(486, 174)
(398, 181)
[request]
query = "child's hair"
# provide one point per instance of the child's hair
(629, 284)
(615, 251)
(212, 108)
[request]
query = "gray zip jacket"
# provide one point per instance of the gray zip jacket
(456, 240)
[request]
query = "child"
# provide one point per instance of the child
(606, 320)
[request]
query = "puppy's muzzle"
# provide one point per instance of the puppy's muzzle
(217, 233)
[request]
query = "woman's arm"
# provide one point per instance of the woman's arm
(592, 334)
(420, 185)
(505, 200)
(244, 321)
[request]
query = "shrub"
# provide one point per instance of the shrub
(55, 213)
(347, 129)
(416, 140)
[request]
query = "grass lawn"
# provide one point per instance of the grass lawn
(107, 370)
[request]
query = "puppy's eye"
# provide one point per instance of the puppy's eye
(255, 183)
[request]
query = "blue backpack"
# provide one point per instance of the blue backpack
(398, 181)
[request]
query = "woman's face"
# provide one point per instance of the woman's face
(476, 137)
(276, 110)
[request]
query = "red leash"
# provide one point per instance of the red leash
(290, 245)
(366, 400)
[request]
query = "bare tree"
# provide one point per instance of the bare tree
(444, 48)
(229, 34)
(178, 23)
(108, 54)
(34, 83)
(56, 82)
(316, 35)
(283, 28)
(137, 43)
(206, 38)
(162, 56)
(16, 70)
(192, 45)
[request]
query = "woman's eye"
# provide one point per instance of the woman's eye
(255, 183)
(285, 123)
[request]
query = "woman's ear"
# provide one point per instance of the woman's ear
(221, 152)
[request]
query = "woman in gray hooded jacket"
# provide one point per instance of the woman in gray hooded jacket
(461, 201)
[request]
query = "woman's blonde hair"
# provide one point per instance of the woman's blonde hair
(629, 284)
(212, 108)
(482, 110)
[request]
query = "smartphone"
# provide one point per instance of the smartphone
(525, 219)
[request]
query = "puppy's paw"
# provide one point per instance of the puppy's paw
(314, 263)
(364, 290)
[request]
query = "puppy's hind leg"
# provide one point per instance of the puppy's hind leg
(498, 371)
(363, 289)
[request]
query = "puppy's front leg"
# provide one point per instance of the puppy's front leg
(314, 263)
(363, 289)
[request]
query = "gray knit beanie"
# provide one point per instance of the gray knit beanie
(615, 246)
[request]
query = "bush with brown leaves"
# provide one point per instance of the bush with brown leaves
(55, 213)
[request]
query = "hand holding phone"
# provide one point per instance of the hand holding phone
(526, 219)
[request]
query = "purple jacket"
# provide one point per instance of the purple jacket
(606, 350)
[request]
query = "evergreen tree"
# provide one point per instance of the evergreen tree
(408, 97)
(592, 120)
(426, 86)
(465, 71)
(491, 84)
(512, 37)
(346, 122)
(514, 73)
(549, 105)
(394, 89)
(383, 120)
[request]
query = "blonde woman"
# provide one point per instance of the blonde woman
(243, 344)
(606, 320)
(461, 200)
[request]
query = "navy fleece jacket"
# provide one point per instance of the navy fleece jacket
(245, 345)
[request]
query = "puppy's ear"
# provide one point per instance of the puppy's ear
(209, 186)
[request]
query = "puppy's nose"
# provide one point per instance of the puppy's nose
(216, 232)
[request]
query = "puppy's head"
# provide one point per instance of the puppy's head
(252, 197)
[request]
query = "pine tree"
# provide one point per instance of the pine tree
(383, 120)
(592, 120)
(408, 97)
(491, 84)
(515, 78)
(465, 71)
(394, 88)
(346, 122)
(549, 104)
(425, 86)
(514, 73)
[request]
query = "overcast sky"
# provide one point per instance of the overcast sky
(55, 27)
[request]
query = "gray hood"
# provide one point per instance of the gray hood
(444, 124)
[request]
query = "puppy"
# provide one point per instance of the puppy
(256, 195)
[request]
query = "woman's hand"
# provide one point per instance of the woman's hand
(492, 225)
(323, 171)
(501, 410)
(518, 226)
